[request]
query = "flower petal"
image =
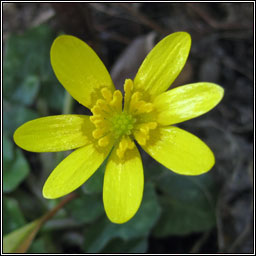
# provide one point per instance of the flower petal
(163, 64)
(123, 186)
(186, 102)
(79, 69)
(54, 133)
(180, 151)
(74, 170)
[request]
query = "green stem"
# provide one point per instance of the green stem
(68, 104)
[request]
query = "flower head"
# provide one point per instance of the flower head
(146, 113)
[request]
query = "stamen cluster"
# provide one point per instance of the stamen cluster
(120, 121)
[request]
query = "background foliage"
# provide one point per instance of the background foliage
(179, 214)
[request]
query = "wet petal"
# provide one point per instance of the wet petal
(54, 133)
(186, 102)
(123, 186)
(74, 170)
(163, 64)
(79, 69)
(179, 151)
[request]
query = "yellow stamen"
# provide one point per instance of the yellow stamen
(111, 122)
(124, 144)
(128, 88)
(141, 137)
(117, 101)
(107, 94)
(104, 141)
(98, 133)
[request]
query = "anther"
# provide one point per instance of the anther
(107, 94)
(128, 88)
(104, 141)
(116, 102)
(125, 144)
(97, 133)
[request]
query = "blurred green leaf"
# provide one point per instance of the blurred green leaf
(27, 91)
(86, 208)
(26, 55)
(131, 246)
(12, 216)
(15, 167)
(188, 204)
(53, 93)
(103, 231)
(14, 116)
(7, 149)
(29, 204)
(95, 183)
(38, 246)
(27, 68)
(44, 244)
(19, 240)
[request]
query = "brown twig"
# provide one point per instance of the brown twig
(52, 212)
(23, 247)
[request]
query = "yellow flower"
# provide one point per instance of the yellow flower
(146, 114)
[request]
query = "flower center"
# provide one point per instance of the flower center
(122, 124)
(114, 120)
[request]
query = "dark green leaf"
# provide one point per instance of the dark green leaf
(131, 246)
(27, 67)
(27, 91)
(12, 215)
(188, 204)
(53, 93)
(26, 55)
(100, 233)
(38, 246)
(7, 149)
(14, 171)
(86, 209)
(95, 183)
(14, 116)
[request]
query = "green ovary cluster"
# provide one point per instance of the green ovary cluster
(122, 124)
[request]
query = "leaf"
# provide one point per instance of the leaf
(7, 148)
(86, 208)
(15, 166)
(131, 246)
(27, 69)
(98, 236)
(38, 246)
(188, 204)
(14, 116)
(27, 91)
(95, 183)
(53, 93)
(12, 216)
(19, 240)
(26, 55)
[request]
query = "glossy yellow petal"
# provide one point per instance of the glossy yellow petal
(186, 102)
(54, 133)
(79, 69)
(163, 64)
(74, 170)
(180, 151)
(123, 186)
